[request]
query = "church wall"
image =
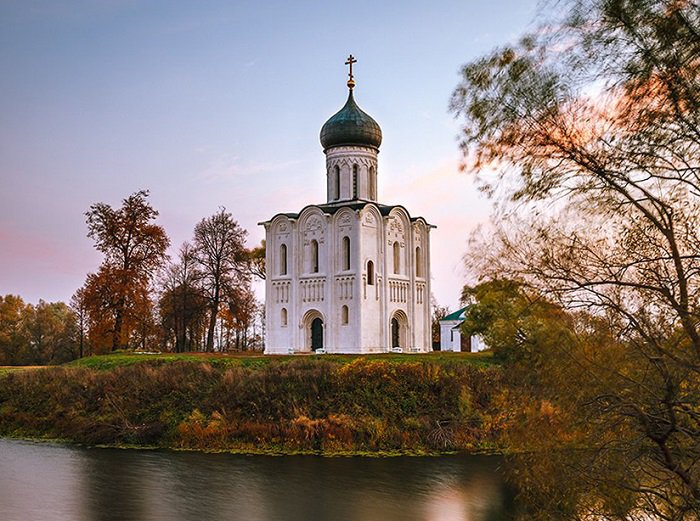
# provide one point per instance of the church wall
(450, 340)
(421, 285)
(345, 283)
(313, 290)
(279, 292)
(371, 333)
(398, 288)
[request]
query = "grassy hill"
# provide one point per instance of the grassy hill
(253, 360)
(328, 404)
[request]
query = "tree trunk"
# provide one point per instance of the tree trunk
(82, 335)
(116, 334)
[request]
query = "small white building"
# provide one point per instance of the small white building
(451, 338)
(349, 275)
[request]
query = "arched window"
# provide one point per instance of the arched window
(370, 273)
(372, 184)
(283, 317)
(397, 259)
(354, 181)
(419, 263)
(344, 315)
(314, 256)
(283, 259)
(346, 253)
(336, 184)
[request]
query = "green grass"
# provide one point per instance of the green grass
(9, 369)
(257, 360)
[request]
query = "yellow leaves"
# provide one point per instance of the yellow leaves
(198, 431)
(548, 410)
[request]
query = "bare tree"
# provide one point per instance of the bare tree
(79, 307)
(219, 243)
(182, 304)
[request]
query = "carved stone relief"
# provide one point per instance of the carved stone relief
(395, 231)
(314, 230)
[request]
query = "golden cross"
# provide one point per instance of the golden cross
(351, 81)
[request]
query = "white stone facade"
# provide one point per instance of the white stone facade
(350, 275)
(451, 338)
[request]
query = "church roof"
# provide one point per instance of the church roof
(455, 315)
(384, 210)
(351, 126)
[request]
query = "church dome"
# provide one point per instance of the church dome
(351, 126)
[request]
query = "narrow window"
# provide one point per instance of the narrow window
(370, 273)
(419, 266)
(283, 259)
(354, 181)
(337, 182)
(314, 256)
(283, 317)
(372, 184)
(397, 260)
(344, 315)
(346, 253)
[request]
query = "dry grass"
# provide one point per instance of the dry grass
(307, 404)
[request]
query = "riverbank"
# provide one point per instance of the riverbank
(282, 405)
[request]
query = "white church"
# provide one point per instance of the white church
(350, 275)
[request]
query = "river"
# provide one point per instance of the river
(49, 482)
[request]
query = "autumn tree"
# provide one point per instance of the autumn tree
(45, 333)
(593, 124)
(219, 243)
(12, 341)
(255, 260)
(51, 333)
(134, 249)
(239, 315)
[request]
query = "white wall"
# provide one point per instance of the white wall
(450, 340)
(370, 307)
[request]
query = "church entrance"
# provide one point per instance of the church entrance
(312, 326)
(395, 342)
(398, 330)
(316, 334)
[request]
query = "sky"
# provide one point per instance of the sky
(213, 104)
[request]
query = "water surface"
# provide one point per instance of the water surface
(46, 482)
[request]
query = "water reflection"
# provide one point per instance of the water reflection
(56, 483)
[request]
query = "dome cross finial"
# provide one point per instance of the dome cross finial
(351, 81)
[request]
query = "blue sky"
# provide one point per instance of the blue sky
(210, 104)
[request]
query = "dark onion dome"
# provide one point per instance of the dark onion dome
(351, 126)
